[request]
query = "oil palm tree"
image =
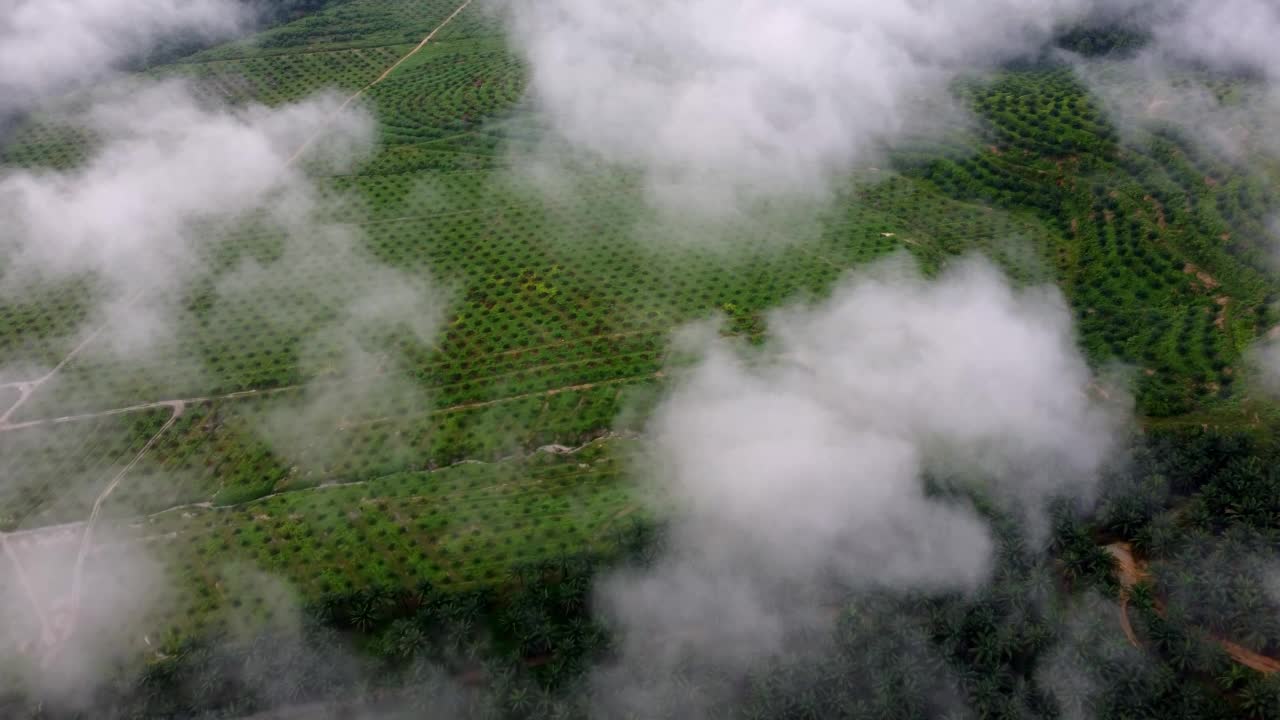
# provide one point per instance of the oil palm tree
(364, 614)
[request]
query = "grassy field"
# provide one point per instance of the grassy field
(558, 320)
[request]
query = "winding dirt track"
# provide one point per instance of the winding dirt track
(385, 74)
(54, 633)
(1131, 571)
(1130, 574)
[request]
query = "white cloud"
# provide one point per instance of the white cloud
(49, 45)
(130, 215)
(806, 464)
(725, 97)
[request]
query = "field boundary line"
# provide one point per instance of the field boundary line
(27, 389)
(256, 392)
(283, 52)
(385, 73)
(478, 210)
(498, 378)
(478, 404)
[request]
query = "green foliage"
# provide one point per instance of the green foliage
(1161, 249)
(54, 472)
(345, 24)
(453, 528)
(1114, 40)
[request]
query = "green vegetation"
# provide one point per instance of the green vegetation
(1040, 638)
(342, 24)
(1161, 250)
(463, 531)
(276, 79)
(54, 473)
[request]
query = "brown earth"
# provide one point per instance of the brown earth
(1130, 571)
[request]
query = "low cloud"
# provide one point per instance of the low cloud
(719, 99)
(1264, 357)
(1177, 81)
(173, 183)
(169, 172)
(1162, 83)
(47, 46)
(822, 462)
(60, 642)
(1080, 671)
(1221, 33)
(354, 356)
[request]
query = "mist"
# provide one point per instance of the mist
(1194, 42)
(171, 183)
(352, 359)
(858, 450)
(716, 100)
(138, 214)
(1230, 34)
(843, 457)
(49, 46)
(1167, 83)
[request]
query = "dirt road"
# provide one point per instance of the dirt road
(1130, 571)
(1130, 574)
